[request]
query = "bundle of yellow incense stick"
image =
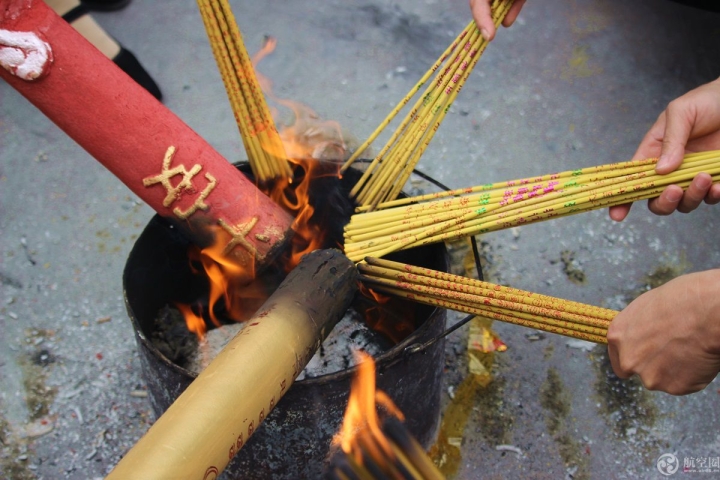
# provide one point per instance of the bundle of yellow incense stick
(264, 148)
(385, 176)
(416, 221)
(519, 307)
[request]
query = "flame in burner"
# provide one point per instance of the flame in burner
(361, 415)
(316, 148)
(195, 322)
(379, 317)
(308, 136)
(375, 448)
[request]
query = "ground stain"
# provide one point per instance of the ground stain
(34, 364)
(557, 402)
(571, 269)
(661, 275)
(12, 453)
(548, 351)
(627, 408)
(579, 65)
(478, 398)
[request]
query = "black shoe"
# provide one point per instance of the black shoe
(711, 5)
(130, 65)
(125, 59)
(105, 6)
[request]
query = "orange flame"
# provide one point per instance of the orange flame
(361, 417)
(194, 322)
(306, 141)
(377, 318)
(372, 447)
(230, 285)
(314, 145)
(309, 136)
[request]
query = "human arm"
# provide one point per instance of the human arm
(670, 336)
(483, 16)
(691, 123)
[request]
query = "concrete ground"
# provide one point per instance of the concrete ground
(574, 83)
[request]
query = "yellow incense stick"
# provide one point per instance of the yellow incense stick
(403, 227)
(387, 173)
(522, 189)
(564, 317)
(405, 99)
(610, 170)
(381, 267)
(592, 196)
(262, 142)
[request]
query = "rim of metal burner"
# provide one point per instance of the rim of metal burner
(414, 348)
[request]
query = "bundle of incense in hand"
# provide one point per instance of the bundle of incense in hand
(265, 150)
(384, 178)
(519, 307)
(411, 222)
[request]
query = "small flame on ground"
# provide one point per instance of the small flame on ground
(485, 340)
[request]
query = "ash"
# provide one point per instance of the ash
(336, 352)
(334, 355)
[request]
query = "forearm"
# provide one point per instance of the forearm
(708, 298)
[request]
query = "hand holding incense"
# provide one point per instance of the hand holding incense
(483, 16)
(386, 175)
(690, 123)
(670, 336)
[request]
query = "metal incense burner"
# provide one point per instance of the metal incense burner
(294, 440)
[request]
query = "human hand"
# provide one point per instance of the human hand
(691, 123)
(670, 336)
(483, 16)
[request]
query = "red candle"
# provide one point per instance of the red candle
(137, 138)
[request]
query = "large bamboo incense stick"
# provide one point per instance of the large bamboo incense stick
(519, 307)
(266, 153)
(211, 420)
(503, 205)
(138, 139)
(386, 175)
